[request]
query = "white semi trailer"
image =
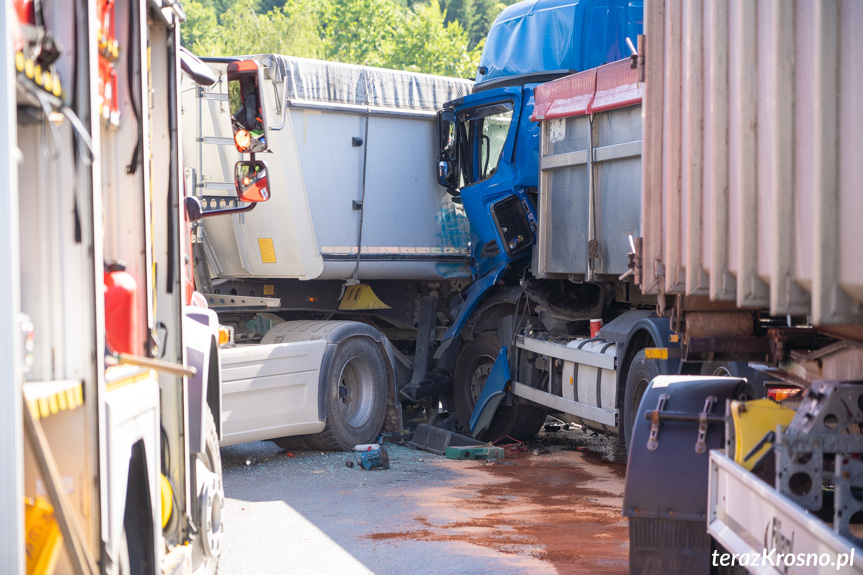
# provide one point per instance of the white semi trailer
(334, 292)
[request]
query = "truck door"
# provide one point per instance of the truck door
(502, 220)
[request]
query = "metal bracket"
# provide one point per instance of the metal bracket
(704, 419)
(701, 443)
(826, 423)
(653, 440)
(222, 302)
(847, 477)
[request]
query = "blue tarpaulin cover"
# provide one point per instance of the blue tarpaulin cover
(558, 35)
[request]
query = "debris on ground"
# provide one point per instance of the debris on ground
(371, 456)
(541, 451)
(436, 440)
(475, 452)
(521, 513)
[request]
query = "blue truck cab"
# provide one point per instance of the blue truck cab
(489, 147)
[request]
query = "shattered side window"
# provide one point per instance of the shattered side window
(483, 134)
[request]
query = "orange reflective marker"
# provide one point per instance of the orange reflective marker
(243, 139)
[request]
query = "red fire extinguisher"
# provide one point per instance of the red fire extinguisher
(121, 310)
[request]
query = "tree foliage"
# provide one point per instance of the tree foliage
(432, 36)
(289, 29)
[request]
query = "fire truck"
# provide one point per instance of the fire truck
(109, 368)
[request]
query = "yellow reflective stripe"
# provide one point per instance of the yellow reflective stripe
(34, 408)
(47, 402)
(145, 375)
(44, 410)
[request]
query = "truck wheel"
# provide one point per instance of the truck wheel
(210, 491)
(472, 368)
(641, 373)
(356, 397)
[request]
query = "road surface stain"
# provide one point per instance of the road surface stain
(563, 508)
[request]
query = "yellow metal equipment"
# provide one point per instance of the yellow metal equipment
(167, 496)
(361, 297)
(752, 421)
(44, 539)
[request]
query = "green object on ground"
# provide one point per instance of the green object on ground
(474, 452)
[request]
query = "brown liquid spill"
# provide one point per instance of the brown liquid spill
(562, 508)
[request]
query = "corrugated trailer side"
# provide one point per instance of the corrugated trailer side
(753, 126)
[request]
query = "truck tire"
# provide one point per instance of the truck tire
(356, 397)
(293, 442)
(641, 373)
(474, 363)
(207, 545)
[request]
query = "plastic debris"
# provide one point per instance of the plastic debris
(474, 452)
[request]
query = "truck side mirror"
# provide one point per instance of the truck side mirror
(193, 208)
(246, 104)
(446, 174)
(446, 130)
(250, 179)
(447, 169)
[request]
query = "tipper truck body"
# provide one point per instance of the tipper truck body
(336, 291)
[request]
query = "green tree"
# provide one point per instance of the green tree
(486, 12)
(416, 35)
(461, 11)
(200, 33)
(291, 29)
(425, 43)
(360, 31)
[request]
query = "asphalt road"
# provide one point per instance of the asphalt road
(556, 513)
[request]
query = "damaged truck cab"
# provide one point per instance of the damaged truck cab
(489, 145)
(490, 159)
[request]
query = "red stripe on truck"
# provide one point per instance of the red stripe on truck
(616, 86)
(569, 96)
(611, 86)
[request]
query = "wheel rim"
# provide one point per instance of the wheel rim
(721, 371)
(356, 392)
(478, 377)
(208, 547)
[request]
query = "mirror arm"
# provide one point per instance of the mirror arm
(285, 104)
(229, 211)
